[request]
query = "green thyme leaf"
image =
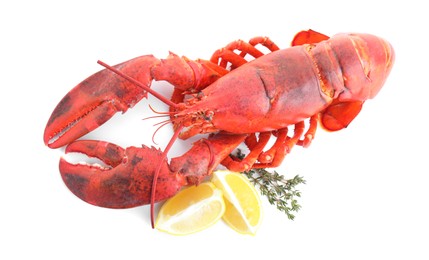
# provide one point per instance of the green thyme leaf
(279, 191)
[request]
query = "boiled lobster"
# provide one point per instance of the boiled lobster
(319, 79)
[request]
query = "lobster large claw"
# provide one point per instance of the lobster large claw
(96, 99)
(127, 180)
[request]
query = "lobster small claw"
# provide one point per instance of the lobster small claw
(127, 180)
(96, 99)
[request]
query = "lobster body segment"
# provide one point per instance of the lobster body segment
(319, 79)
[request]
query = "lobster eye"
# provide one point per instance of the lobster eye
(208, 115)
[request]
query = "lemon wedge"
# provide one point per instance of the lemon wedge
(243, 204)
(191, 210)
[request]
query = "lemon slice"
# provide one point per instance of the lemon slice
(191, 210)
(243, 204)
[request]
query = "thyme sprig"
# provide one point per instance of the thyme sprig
(280, 192)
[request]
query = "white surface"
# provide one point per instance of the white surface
(366, 193)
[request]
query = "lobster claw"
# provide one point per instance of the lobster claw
(96, 99)
(127, 180)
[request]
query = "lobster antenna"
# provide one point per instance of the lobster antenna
(161, 112)
(137, 83)
(163, 123)
(158, 169)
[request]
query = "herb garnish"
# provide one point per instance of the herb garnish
(279, 191)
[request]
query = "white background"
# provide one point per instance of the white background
(367, 186)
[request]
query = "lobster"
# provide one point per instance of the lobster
(240, 96)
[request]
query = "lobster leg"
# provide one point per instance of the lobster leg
(274, 156)
(227, 54)
(284, 148)
(311, 132)
(268, 156)
(264, 41)
(246, 163)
